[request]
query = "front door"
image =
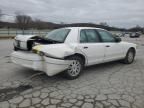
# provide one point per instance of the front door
(113, 49)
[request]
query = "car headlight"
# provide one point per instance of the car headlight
(15, 38)
(16, 43)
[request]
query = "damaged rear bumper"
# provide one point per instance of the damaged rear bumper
(50, 66)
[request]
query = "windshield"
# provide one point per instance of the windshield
(58, 35)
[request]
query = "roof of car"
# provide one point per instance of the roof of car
(83, 28)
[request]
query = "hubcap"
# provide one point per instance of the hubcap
(130, 56)
(74, 68)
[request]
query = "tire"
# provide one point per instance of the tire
(15, 48)
(129, 57)
(75, 68)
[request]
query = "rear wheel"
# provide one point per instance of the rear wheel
(129, 57)
(75, 68)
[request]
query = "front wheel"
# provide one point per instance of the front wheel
(129, 57)
(75, 68)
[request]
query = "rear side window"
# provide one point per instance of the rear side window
(89, 36)
(83, 37)
(106, 36)
(58, 35)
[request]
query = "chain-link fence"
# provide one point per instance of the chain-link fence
(14, 32)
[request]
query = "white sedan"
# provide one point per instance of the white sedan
(69, 50)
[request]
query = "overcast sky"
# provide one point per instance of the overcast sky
(121, 13)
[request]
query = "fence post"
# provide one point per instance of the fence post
(8, 31)
(39, 32)
(23, 31)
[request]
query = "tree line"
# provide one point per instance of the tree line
(23, 21)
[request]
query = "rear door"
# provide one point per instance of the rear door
(90, 44)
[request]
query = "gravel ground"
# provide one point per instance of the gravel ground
(6, 47)
(109, 85)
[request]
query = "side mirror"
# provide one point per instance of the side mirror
(117, 39)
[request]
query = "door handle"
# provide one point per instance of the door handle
(107, 46)
(85, 47)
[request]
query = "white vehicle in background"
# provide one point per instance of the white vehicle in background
(69, 50)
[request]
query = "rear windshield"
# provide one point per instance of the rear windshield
(58, 35)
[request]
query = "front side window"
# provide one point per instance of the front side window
(58, 35)
(106, 36)
(89, 36)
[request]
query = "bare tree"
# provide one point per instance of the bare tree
(0, 14)
(38, 23)
(104, 24)
(23, 21)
